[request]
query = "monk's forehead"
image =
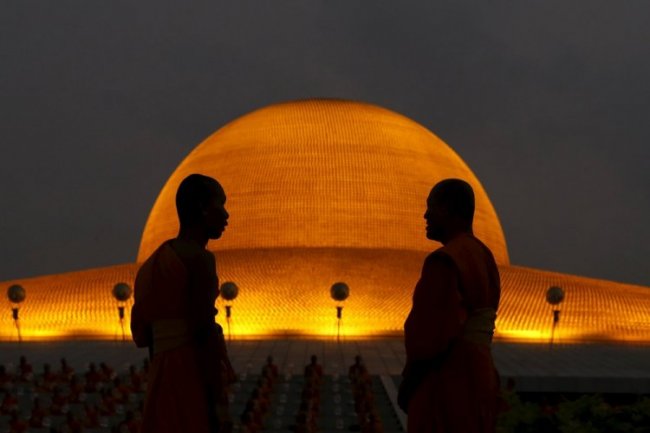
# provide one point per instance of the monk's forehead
(218, 191)
(437, 197)
(431, 196)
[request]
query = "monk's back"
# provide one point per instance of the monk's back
(160, 293)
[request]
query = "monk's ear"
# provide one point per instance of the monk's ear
(203, 208)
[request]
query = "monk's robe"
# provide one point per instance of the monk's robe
(450, 383)
(173, 315)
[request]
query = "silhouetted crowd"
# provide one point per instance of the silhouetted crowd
(257, 414)
(63, 401)
(60, 400)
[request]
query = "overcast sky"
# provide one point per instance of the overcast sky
(548, 102)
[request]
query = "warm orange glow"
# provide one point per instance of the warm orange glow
(593, 310)
(71, 305)
(320, 192)
(286, 292)
(323, 174)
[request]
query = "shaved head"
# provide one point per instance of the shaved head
(457, 196)
(194, 195)
(450, 209)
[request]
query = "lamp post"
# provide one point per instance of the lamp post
(16, 294)
(122, 293)
(229, 292)
(554, 296)
(339, 292)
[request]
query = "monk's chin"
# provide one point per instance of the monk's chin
(216, 235)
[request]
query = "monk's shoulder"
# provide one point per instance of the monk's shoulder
(148, 264)
(487, 251)
(465, 246)
(439, 260)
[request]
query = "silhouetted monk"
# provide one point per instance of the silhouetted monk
(449, 382)
(173, 315)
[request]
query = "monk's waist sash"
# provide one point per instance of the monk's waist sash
(479, 326)
(170, 334)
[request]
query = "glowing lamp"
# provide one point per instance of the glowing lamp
(554, 295)
(340, 291)
(16, 294)
(122, 292)
(229, 291)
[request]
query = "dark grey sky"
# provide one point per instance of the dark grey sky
(548, 102)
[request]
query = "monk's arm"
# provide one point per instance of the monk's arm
(140, 331)
(140, 328)
(432, 324)
(203, 291)
(436, 316)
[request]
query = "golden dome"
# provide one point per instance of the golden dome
(321, 192)
(323, 174)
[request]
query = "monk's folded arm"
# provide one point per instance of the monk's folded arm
(435, 318)
(202, 292)
(142, 335)
(140, 328)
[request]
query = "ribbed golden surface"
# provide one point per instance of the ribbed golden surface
(319, 192)
(323, 173)
(286, 292)
(593, 310)
(70, 305)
